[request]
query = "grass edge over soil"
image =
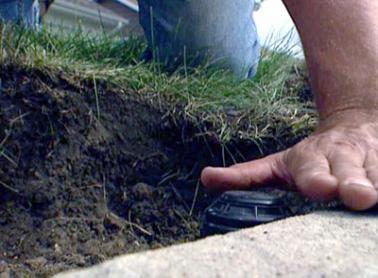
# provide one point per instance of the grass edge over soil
(266, 107)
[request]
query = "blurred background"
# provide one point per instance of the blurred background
(120, 17)
(110, 16)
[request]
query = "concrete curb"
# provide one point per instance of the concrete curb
(323, 244)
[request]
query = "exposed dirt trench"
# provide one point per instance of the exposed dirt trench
(90, 174)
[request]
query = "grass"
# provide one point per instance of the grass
(262, 108)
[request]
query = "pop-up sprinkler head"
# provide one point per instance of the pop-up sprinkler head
(235, 210)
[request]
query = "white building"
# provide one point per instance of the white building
(108, 16)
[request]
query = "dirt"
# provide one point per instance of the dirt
(88, 173)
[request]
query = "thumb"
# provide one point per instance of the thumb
(270, 169)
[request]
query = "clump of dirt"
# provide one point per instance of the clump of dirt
(88, 173)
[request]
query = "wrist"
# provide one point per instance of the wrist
(350, 117)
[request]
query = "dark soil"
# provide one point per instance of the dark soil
(89, 174)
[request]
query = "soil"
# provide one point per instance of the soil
(88, 173)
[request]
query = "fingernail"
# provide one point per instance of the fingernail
(358, 184)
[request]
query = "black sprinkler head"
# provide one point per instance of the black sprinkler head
(235, 210)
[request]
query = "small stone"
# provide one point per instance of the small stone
(4, 270)
(5, 274)
(36, 263)
(57, 248)
(142, 191)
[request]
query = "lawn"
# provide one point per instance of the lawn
(275, 103)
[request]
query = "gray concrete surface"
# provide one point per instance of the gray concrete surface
(324, 244)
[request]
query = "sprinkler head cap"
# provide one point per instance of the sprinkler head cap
(235, 210)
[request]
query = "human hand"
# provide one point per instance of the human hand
(340, 160)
